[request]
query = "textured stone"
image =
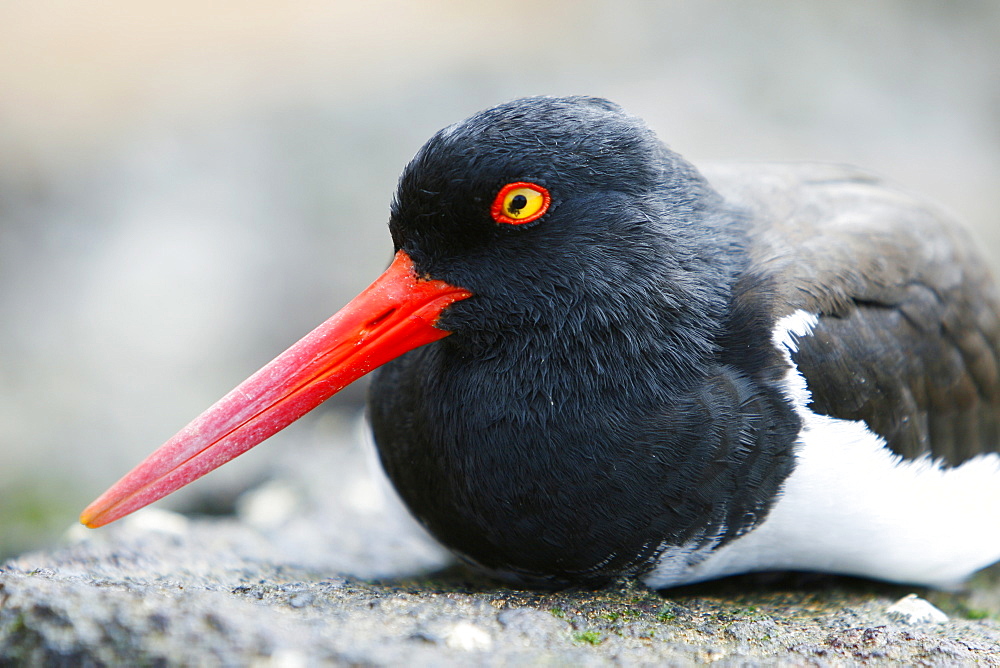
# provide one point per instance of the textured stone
(348, 578)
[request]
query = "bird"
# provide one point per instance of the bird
(593, 360)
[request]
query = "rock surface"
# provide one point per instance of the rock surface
(320, 565)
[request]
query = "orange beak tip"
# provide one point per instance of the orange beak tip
(90, 519)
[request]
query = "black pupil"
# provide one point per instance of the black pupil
(518, 203)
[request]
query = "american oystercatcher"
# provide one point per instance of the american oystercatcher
(596, 361)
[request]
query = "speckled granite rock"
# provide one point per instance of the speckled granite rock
(322, 566)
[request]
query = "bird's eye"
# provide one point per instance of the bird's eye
(519, 203)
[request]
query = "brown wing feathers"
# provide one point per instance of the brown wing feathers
(908, 337)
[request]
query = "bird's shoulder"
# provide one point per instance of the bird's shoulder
(908, 331)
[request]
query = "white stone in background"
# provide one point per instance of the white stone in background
(468, 637)
(76, 533)
(270, 505)
(157, 520)
(911, 609)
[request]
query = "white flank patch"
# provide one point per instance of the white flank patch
(852, 506)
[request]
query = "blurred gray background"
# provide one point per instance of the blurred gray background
(187, 187)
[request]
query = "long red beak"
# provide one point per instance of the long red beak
(393, 315)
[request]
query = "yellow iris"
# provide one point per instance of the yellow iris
(520, 202)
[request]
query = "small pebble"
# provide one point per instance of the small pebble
(301, 599)
(911, 609)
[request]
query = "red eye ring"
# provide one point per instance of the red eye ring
(520, 202)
